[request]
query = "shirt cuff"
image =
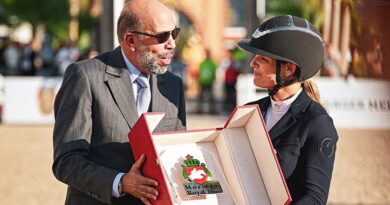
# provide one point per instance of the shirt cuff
(115, 191)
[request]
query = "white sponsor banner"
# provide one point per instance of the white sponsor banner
(352, 103)
(29, 100)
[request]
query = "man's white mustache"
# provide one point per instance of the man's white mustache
(168, 54)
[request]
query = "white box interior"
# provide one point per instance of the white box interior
(172, 149)
(238, 156)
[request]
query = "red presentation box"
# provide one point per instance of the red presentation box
(235, 164)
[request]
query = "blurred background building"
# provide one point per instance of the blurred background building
(354, 31)
(40, 38)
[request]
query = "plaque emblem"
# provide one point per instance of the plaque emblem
(195, 171)
(198, 176)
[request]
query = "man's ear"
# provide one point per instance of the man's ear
(291, 68)
(129, 40)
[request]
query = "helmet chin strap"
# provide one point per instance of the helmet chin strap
(279, 82)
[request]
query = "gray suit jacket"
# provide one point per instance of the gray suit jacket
(94, 112)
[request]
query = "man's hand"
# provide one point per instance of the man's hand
(139, 186)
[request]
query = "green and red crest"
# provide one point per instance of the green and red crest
(194, 171)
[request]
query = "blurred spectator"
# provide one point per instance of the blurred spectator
(26, 64)
(11, 57)
(66, 54)
(45, 58)
(374, 59)
(2, 61)
(332, 63)
(358, 65)
(61, 59)
(92, 54)
(206, 78)
(231, 74)
(178, 67)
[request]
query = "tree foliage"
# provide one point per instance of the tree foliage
(308, 9)
(38, 11)
(53, 14)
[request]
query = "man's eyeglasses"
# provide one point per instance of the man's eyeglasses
(163, 36)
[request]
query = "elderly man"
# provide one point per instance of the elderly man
(100, 100)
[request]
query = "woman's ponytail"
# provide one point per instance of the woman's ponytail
(312, 91)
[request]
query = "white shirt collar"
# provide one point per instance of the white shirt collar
(133, 71)
(283, 106)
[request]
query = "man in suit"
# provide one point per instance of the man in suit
(100, 100)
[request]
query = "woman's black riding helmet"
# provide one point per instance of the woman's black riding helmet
(288, 39)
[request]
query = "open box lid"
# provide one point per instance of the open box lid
(247, 117)
(140, 138)
(250, 117)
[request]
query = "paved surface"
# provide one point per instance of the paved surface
(361, 175)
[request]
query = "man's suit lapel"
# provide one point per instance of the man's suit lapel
(118, 80)
(158, 85)
(290, 118)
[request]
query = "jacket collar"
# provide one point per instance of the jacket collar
(115, 63)
(290, 118)
(119, 82)
(118, 79)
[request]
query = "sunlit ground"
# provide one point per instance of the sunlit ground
(361, 174)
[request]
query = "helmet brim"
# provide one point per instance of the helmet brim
(246, 45)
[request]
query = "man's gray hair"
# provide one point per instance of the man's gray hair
(127, 21)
